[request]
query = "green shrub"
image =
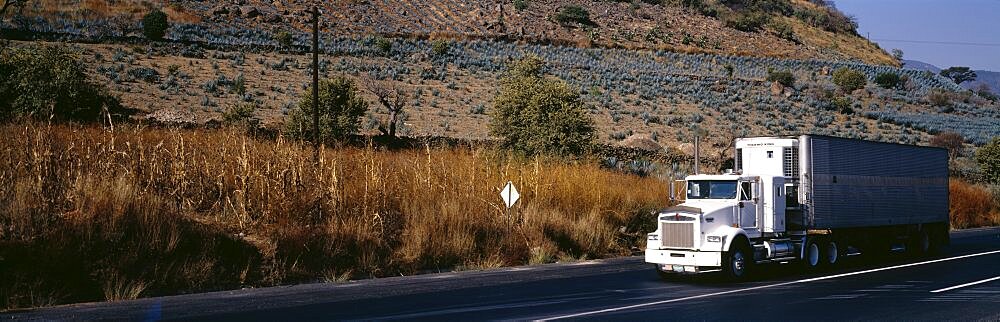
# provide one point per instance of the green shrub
(154, 25)
(828, 19)
(284, 38)
(939, 97)
(888, 80)
(988, 158)
(440, 47)
(848, 79)
(340, 110)
(520, 5)
(241, 115)
(842, 104)
(383, 44)
(573, 14)
(783, 30)
(534, 114)
(47, 82)
(783, 77)
(749, 22)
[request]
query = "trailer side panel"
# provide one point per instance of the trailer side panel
(858, 183)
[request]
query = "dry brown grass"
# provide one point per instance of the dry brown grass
(972, 205)
(87, 213)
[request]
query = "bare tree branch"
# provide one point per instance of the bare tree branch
(11, 3)
(390, 97)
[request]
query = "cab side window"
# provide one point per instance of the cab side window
(745, 192)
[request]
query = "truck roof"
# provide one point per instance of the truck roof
(833, 137)
(714, 177)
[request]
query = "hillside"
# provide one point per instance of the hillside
(765, 28)
(659, 94)
(983, 77)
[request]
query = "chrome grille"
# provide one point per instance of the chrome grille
(677, 234)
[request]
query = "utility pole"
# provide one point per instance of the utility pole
(696, 151)
(315, 83)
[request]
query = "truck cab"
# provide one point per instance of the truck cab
(718, 211)
(726, 212)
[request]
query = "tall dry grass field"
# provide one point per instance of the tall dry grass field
(972, 205)
(88, 213)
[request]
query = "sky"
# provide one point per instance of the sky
(960, 32)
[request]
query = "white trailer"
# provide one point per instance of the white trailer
(806, 199)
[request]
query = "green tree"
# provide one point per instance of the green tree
(536, 114)
(520, 5)
(842, 104)
(340, 110)
(241, 115)
(897, 54)
(284, 38)
(384, 45)
(440, 47)
(959, 74)
(746, 21)
(988, 158)
(573, 14)
(848, 79)
(154, 25)
(783, 77)
(48, 82)
(887, 80)
(783, 30)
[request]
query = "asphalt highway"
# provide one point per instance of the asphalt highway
(960, 283)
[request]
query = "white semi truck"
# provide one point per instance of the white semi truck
(807, 198)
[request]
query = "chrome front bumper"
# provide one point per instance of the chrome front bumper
(684, 257)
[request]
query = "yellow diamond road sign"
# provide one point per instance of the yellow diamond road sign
(509, 194)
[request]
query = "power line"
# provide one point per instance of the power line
(954, 43)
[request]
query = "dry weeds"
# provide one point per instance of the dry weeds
(972, 205)
(88, 213)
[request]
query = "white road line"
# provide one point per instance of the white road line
(814, 279)
(966, 284)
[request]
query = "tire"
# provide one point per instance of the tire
(737, 262)
(831, 253)
(812, 255)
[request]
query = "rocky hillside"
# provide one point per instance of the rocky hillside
(768, 28)
(218, 55)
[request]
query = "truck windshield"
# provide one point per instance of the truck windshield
(711, 189)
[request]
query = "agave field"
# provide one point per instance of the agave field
(658, 93)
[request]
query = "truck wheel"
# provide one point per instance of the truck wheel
(832, 253)
(736, 263)
(811, 258)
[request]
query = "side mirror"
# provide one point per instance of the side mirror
(741, 204)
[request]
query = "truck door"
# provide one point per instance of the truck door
(748, 208)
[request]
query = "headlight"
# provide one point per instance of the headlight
(714, 239)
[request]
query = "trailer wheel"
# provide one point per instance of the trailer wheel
(811, 258)
(832, 253)
(736, 263)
